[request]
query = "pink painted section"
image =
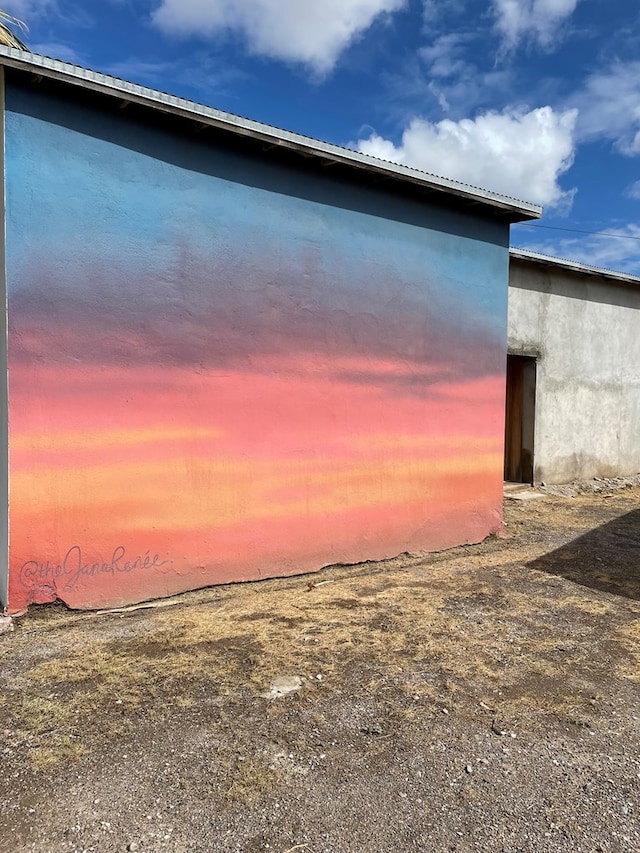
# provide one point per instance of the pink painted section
(143, 485)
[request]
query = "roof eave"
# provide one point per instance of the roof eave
(572, 266)
(512, 209)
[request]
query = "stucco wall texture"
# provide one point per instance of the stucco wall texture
(222, 369)
(585, 330)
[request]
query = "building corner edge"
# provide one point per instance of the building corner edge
(4, 387)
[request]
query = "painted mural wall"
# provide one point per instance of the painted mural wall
(221, 369)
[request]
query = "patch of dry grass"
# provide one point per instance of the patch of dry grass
(472, 629)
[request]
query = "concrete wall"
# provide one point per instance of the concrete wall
(223, 368)
(586, 331)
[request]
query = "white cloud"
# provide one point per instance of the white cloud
(58, 50)
(27, 10)
(434, 10)
(618, 251)
(609, 106)
(313, 33)
(199, 71)
(536, 20)
(633, 191)
(445, 70)
(515, 153)
(444, 57)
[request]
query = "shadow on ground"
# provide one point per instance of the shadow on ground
(605, 559)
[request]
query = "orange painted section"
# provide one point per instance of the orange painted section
(205, 478)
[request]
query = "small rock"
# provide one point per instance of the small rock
(525, 496)
(6, 624)
(282, 686)
(133, 846)
(468, 769)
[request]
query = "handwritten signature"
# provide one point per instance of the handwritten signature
(74, 567)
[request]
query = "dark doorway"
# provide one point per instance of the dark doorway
(520, 418)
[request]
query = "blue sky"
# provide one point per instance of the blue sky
(538, 99)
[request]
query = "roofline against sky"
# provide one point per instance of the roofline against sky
(572, 266)
(512, 209)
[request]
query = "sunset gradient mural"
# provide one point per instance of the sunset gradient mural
(223, 369)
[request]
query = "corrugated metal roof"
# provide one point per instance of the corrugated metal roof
(573, 266)
(512, 209)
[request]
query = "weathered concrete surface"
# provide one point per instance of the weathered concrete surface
(480, 699)
(585, 331)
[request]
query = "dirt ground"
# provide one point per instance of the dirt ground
(483, 698)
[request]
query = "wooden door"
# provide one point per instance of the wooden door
(519, 419)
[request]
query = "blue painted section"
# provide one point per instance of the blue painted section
(240, 201)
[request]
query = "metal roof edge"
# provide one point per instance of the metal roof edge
(574, 266)
(56, 69)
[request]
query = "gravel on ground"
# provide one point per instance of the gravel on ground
(483, 698)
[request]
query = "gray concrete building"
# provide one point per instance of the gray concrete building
(573, 372)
